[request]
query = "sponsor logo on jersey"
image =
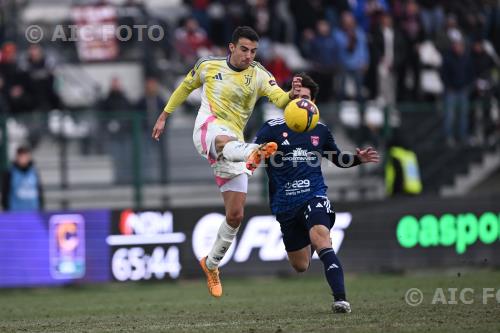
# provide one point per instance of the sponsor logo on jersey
(314, 140)
(285, 143)
(218, 76)
(285, 134)
(298, 183)
(298, 186)
(272, 82)
(300, 155)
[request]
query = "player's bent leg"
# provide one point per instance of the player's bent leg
(221, 140)
(232, 149)
(237, 151)
(300, 259)
(320, 239)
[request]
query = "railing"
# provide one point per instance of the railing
(88, 141)
(92, 149)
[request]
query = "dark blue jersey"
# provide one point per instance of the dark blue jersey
(294, 172)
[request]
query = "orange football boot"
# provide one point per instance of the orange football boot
(213, 281)
(263, 151)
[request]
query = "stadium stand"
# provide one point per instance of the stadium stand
(79, 146)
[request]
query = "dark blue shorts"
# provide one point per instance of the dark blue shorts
(295, 227)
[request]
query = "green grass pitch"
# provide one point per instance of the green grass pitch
(298, 304)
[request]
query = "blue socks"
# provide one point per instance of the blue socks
(333, 272)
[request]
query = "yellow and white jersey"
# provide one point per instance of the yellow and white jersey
(229, 94)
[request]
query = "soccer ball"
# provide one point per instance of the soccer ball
(301, 115)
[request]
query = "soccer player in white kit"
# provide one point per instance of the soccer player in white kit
(231, 87)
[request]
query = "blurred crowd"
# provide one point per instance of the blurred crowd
(388, 51)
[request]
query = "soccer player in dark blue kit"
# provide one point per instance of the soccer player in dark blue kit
(298, 193)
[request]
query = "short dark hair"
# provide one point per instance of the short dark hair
(308, 82)
(24, 149)
(244, 32)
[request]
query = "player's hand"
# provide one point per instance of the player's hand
(159, 126)
(296, 85)
(368, 155)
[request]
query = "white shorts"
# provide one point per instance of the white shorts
(204, 134)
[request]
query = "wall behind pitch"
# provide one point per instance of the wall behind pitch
(93, 246)
(404, 234)
(420, 233)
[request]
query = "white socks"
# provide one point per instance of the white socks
(237, 151)
(225, 237)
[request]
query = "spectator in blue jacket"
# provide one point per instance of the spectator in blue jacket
(21, 185)
(352, 53)
(365, 12)
(319, 47)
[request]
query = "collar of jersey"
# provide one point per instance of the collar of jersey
(236, 69)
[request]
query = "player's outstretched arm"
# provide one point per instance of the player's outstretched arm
(178, 97)
(160, 125)
(278, 96)
(368, 155)
(191, 82)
